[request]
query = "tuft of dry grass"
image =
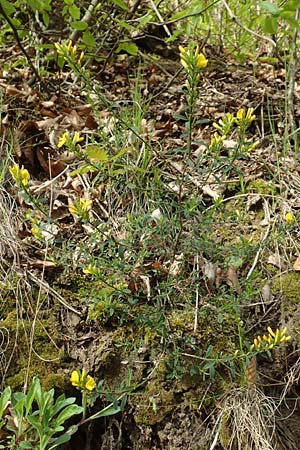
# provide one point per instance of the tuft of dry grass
(246, 421)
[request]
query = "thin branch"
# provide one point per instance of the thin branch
(23, 50)
(86, 18)
(237, 21)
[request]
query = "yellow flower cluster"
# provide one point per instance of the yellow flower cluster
(247, 116)
(91, 270)
(191, 58)
(68, 50)
(269, 341)
(242, 120)
(20, 176)
(67, 140)
(225, 124)
(82, 380)
(80, 208)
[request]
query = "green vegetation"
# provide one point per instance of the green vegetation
(148, 220)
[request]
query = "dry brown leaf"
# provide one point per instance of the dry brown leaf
(232, 279)
(251, 371)
(296, 265)
(275, 260)
(41, 264)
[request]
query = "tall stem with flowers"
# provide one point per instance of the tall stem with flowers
(193, 61)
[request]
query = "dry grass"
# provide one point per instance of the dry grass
(246, 421)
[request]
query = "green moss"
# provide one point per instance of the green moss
(289, 286)
(154, 404)
(261, 186)
(38, 356)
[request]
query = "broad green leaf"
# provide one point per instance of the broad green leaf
(5, 397)
(35, 5)
(291, 5)
(30, 396)
(8, 7)
(74, 12)
(37, 392)
(35, 422)
(270, 8)
(79, 25)
(269, 25)
(289, 16)
(88, 39)
(68, 412)
(97, 153)
(61, 402)
(128, 47)
(121, 4)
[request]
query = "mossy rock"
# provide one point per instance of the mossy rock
(288, 286)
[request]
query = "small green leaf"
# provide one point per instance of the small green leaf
(79, 25)
(128, 47)
(69, 411)
(5, 397)
(269, 25)
(25, 444)
(64, 437)
(46, 19)
(74, 12)
(124, 24)
(270, 8)
(85, 168)
(88, 39)
(97, 153)
(61, 402)
(179, 14)
(121, 4)
(110, 410)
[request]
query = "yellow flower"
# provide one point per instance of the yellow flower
(289, 218)
(73, 209)
(82, 380)
(58, 47)
(77, 138)
(249, 116)
(85, 204)
(64, 140)
(274, 338)
(201, 61)
(20, 176)
(91, 270)
(191, 59)
(75, 378)
(90, 383)
(80, 58)
(80, 208)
